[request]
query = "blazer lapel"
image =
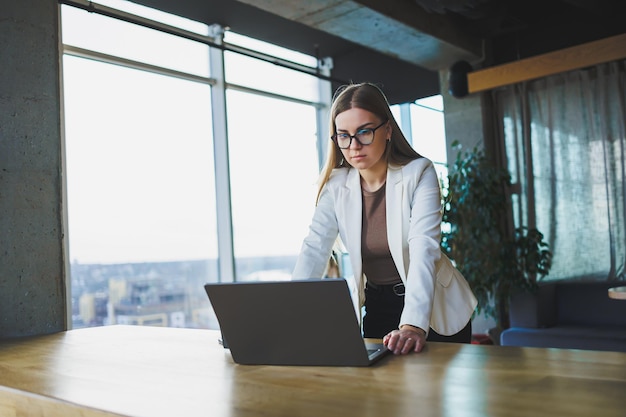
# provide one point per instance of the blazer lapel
(353, 215)
(395, 220)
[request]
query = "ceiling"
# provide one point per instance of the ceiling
(402, 44)
(523, 28)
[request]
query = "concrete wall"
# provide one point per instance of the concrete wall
(463, 119)
(32, 284)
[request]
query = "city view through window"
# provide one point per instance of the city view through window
(143, 186)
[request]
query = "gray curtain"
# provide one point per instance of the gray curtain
(565, 144)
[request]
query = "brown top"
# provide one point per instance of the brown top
(378, 264)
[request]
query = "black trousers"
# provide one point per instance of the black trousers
(382, 315)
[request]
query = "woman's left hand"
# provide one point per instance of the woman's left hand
(407, 339)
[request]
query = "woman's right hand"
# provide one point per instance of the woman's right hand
(406, 339)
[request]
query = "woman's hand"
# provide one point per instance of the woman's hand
(405, 340)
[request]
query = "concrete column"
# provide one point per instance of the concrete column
(463, 119)
(32, 272)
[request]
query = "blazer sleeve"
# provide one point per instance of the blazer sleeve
(317, 245)
(424, 235)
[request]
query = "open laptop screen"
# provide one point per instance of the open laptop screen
(300, 322)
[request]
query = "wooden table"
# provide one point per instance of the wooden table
(618, 293)
(147, 371)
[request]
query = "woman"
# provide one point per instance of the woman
(383, 200)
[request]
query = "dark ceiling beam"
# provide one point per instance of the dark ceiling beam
(575, 57)
(602, 8)
(398, 28)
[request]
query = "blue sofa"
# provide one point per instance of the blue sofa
(566, 314)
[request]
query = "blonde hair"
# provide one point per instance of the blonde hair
(368, 97)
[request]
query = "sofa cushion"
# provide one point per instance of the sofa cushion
(588, 303)
(536, 309)
(598, 337)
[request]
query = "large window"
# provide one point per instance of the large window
(146, 178)
(274, 169)
(272, 143)
(140, 168)
(422, 122)
(140, 177)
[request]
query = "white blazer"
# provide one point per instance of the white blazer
(437, 295)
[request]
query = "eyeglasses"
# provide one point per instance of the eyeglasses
(363, 136)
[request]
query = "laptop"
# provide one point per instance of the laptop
(300, 322)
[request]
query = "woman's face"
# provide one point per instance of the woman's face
(360, 156)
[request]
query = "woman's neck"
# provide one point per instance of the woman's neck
(373, 178)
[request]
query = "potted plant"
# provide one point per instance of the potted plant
(496, 259)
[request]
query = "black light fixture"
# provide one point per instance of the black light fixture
(457, 79)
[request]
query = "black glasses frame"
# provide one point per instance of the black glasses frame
(373, 130)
